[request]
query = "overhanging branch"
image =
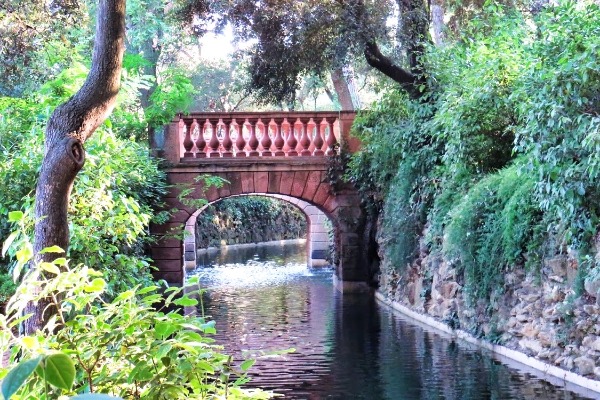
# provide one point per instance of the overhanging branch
(376, 59)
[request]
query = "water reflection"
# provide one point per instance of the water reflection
(347, 347)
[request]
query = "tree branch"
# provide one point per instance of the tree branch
(376, 59)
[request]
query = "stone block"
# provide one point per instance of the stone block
(299, 183)
(235, 183)
(181, 178)
(167, 242)
(319, 254)
(174, 228)
(319, 237)
(274, 180)
(247, 179)
(169, 265)
(172, 277)
(331, 204)
(261, 181)
(166, 253)
(181, 216)
(287, 180)
(321, 194)
(313, 181)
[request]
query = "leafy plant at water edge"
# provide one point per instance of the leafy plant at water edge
(131, 347)
(491, 229)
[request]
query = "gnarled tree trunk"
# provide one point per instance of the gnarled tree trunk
(70, 125)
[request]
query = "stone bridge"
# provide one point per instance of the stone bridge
(277, 154)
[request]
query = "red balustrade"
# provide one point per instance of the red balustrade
(255, 134)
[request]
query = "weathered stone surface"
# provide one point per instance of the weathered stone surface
(261, 181)
(274, 180)
(299, 183)
(287, 180)
(584, 365)
(592, 287)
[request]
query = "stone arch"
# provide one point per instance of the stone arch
(294, 179)
(317, 240)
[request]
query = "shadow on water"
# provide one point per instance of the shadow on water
(346, 347)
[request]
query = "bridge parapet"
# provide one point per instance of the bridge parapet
(199, 137)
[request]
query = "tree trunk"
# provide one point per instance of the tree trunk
(341, 89)
(70, 125)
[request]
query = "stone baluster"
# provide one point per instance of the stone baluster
(318, 140)
(265, 141)
(227, 142)
(188, 143)
(279, 142)
(200, 142)
(253, 141)
(292, 142)
(331, 140)
(213, 144)
(304, 139)
(240, 142)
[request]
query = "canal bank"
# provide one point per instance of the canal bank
(554, 375)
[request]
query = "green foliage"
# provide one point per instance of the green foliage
(511, 88)
(559, 101)
(174, 94)
(38, 40)
(131, 347)
(112, 200)
(249, 219)
(491, 228)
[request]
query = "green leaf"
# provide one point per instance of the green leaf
(58, 370)
(94, 396)
(17, 376)
(15, 216)
(53, 269)
(97, 285)
(52, 249)
(247, 364)
(11, 238)
(186, 302)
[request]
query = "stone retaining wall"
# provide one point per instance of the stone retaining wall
(536, 314)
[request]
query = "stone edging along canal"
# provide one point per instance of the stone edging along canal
(549, 372)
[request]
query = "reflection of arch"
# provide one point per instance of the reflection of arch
(318, 236)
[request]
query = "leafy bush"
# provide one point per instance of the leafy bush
(559, 102)
(491, 229)
(514, 88)
(130, 347)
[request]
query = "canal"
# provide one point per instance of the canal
(266, 301)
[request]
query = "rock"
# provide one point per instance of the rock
(529, 330)
(531, 345)
(592, 286)
(557, 264)
(522, 317)
(585, 365)
(592, 342)
(449, 290)
(591, 309)
(569, 363)
(597, 371)
(545, 339)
